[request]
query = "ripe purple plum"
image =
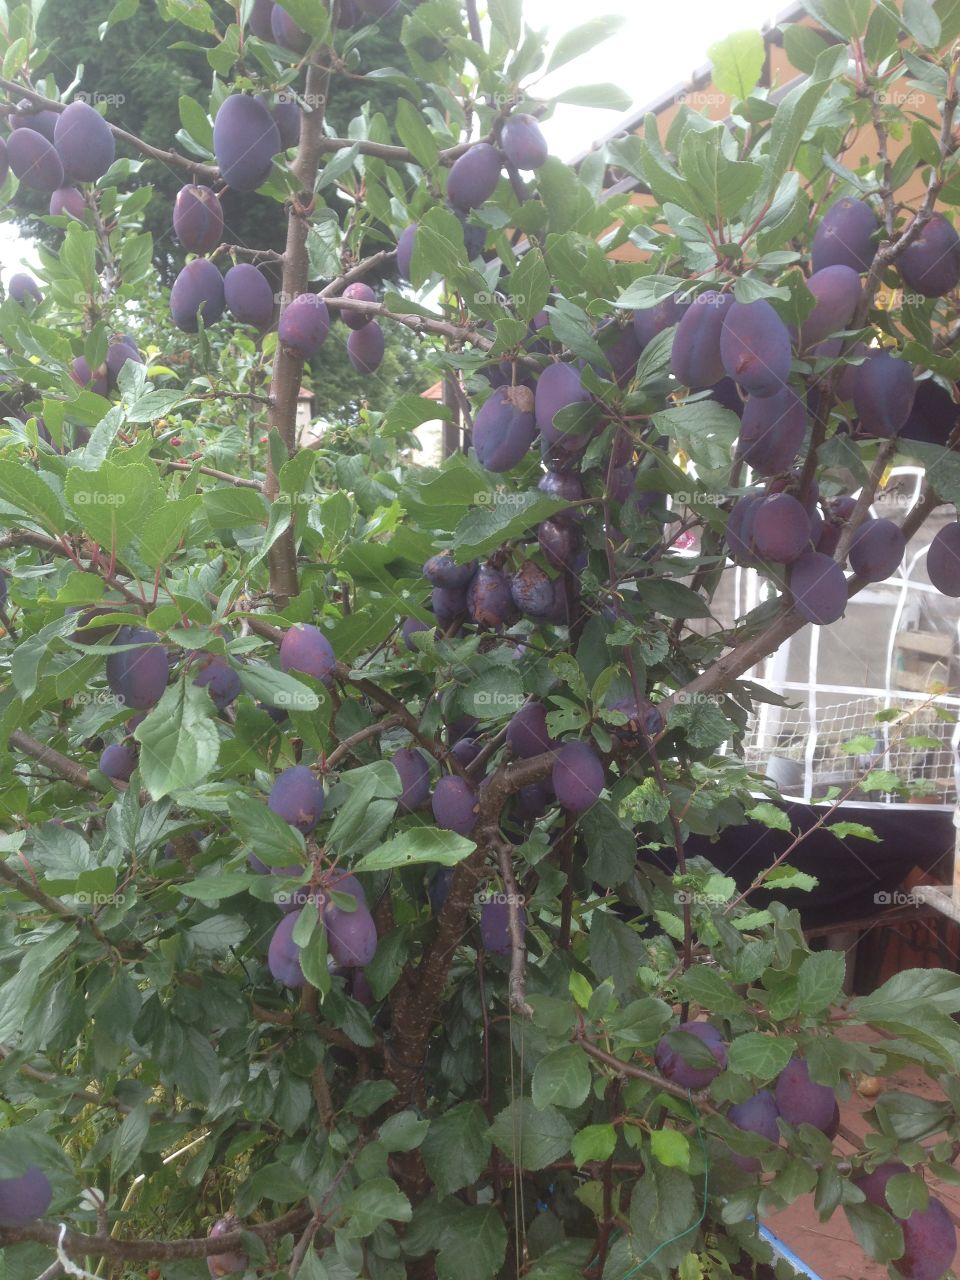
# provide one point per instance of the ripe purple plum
(644, 719)
(818, 587)
(883, 393)
(283, 954)
(658, 318)
(929, 1243)
(24, 1199)
(138, 676)
(305, 648)
(448, 604)
(220, 679)
(495, 937)
(414, 773)
(755, 347)
(474, 176)
(442, 570)
(672, 1064)
(696, 360)
(287, 115)
(248, 295)
(84, 143)
(96, 635)
(28, 116)
(68, 202)
(577, 777)
(35, 160)
(562, 484)
(466, 751)
(351, 935)
(365, 348)
(781, 529)
(559, 542)
(943, 560)
(874, 1185)
(286, 32)
(409, 629)
(837, 293)
(198, 219)
(523, 142)
(532, 590)
(772, 431)
(439, 889)
(454, 804)
(933, 416)
(534, 800)
(739, 533)
(846, 236)
(117, 762)
(22, 286)
(297, 797)
(304, 325)
(559, 387)
(489, 602)
(198, 288)
(801, 1100)
(505, 428)
(757, 1115)
(405, 250)
(225, 1264)
(876, 550)
(359, 292)
(259, 20)
(931, 263)
(90, 380)
(527, 733)
(245, 140)
(118, 353)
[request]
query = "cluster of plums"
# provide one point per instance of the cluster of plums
(51, 151)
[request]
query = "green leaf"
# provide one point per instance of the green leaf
(562, 1078)
(616, 950)
(484, 529)
(531, 1137)
(194, 120)
(604, 97)
(312, 17)
(179, 742)
(762, 1057)
(265, 834)
(847, 18)
(820, 980)
(595, 1142)
(114, 503)
(473, 1245)
(722, 186)
(878, 1235)
(575, 43)
(278, 688)
(738, 62)
(795, 112)
(457, 1148)
(24, 491)
(166, 529)
(418, 845)
(128, 1141)
(403, 1132)
(233, 508)
(218, 933)
(705, 431)
(415, 134)
(856, 830)
(371, 1204)
(670, 1148)
(771, 815)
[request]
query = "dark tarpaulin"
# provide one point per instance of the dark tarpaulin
(853, 873)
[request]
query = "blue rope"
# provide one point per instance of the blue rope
(703, 1212)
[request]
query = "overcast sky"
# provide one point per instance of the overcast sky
(659, 46)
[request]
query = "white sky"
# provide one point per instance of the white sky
(659, 46)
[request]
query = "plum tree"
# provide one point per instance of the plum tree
(414, 772)
(772, 431)
(495, 936)
(34, 160)
(365, 348)
(781, 529)
(359, 292)
(847, 236)
(474, 176)
(577, 777)
(138, 673)
(68, 202)
(304, 325)
(248, 296)
(883, 392)
(305, 648)
(818, 587)
(84, 143)
(454, 804)
(837, 292)
(943, 560)
(198, 219)
(527, 733)
(759, 1115)
(197, 290)
(283, 954)
(801, 1100)
(220, 679)
(696, 359)
(489, 602)
(876, 550)
(560, 387)
(24, 1199)
(523, 142)
(117, 762)
(297, 797)
(505, 428)
(230, 1263)
(22, 286)
(931, 262)
(755, 347)
(245, 140)
(686, 1064)
(286, 32)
